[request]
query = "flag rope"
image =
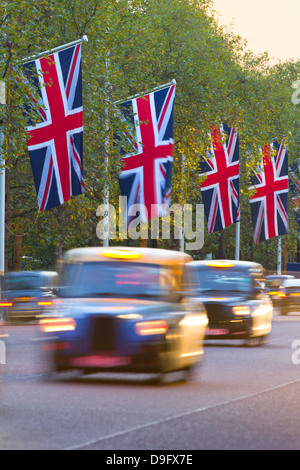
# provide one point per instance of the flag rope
(173, 82)
(56, 49)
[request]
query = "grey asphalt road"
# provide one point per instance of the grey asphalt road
(239, 399)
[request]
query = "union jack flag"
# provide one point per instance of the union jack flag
(146, 175)
(55, 139)
(220, 189)
(269, 204)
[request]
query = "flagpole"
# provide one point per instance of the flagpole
(173, 82)
(279, 256)
(2, 198)
(56, 49)
(106, 158)
(182, 246)
(237, 240)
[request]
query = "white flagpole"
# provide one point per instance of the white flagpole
(279, 256)
(56, 49)
(182, 246)
(173, 82)
(2, 198)
(237, 240)
(106, 158)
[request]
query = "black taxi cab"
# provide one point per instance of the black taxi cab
(274, 283)
(27, 294)
(125, 310)
(233, 293)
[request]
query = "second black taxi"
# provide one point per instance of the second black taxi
(125, 310)
(233, 293)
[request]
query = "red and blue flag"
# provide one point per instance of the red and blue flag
(220, 189)
(55, 134)
(269, 203)
(146, 175)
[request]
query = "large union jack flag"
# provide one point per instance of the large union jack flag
(146, 174)
(220, 189)
(269, 203)
(55, 137)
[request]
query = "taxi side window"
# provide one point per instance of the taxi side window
(259, 281)
(190, 280)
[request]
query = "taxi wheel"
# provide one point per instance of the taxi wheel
(167, 378)
(255, 341)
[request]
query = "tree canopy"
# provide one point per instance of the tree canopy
(134, 46)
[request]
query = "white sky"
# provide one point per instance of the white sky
(267, 25)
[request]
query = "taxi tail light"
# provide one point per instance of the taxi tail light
(6, 304)
(155, 327)
(52, 325)
(44, 303)
(281, 295)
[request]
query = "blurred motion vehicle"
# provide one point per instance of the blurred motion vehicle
(233, 293)
(273, 286)
(289, 297)
(126, 310)
(27, 294)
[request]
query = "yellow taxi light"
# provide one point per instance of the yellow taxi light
(219, 264)
(155, 327)
(51, 325)
(121, 254)
(6, 304)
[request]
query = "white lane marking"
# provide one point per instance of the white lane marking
(180, 415)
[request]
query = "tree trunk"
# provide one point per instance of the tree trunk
(7, 218)
(17, 253)
(222, 246)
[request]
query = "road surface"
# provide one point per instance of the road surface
(240, 398)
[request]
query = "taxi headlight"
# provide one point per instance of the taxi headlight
(194, 321)
(51, 325)
(154, 327)
(241, 310)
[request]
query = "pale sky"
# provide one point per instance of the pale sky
(267, 25)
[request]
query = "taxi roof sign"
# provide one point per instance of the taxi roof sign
(127, 253)
(121, 254)
(220, 264)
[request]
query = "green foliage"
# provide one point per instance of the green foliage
(134, 46)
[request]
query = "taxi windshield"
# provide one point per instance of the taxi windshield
(93, 279)
(223, 280)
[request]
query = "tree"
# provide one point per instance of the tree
(134, 46)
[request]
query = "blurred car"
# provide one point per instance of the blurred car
(274, 283)
(27, 294)
(289, 297)
(124, 309)
(235, 299)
